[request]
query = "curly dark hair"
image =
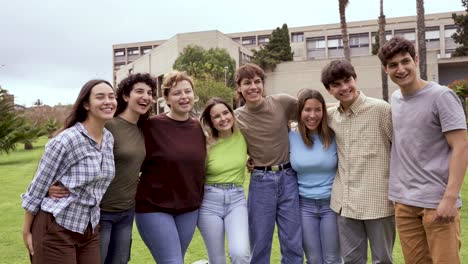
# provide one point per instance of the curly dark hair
(396, 45)
(125, 87)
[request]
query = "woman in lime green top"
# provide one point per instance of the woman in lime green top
(224, 208)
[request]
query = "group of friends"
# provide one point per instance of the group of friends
(347, 176)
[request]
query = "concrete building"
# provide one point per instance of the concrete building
(313, 47)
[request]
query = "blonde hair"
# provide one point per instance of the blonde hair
(172, 78)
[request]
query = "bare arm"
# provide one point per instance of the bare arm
(27, 236)
(458, 142)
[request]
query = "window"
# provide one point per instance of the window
(134, 51)
(432, 34)
(335, 42)
(388, 35)
(297, 37)
(263, 39)
(237, 40)
(408, 34)
(317, 43)
(359, 40)
(450, 30)
(118, 53)
(248, 41)
(146, 49)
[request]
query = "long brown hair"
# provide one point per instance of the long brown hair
(78, 112)
(207, 124)
(324, 132)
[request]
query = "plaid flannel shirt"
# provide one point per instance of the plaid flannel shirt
(86, 169)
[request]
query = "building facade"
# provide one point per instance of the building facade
(313, 47)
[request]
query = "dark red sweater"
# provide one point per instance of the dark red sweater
(173, 173)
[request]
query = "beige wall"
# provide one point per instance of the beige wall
(290, 77)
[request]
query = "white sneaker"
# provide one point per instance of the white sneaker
(201, 261)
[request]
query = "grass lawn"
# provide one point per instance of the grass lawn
(17, 170)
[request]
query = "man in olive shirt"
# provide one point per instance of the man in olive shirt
(363, 130)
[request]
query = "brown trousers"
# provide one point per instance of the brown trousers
(54, 244)
(426, 242)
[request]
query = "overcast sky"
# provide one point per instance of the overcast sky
(50, 48)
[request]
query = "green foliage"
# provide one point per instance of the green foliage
(9, 122)
(51, 126)
(201, 64)
(461, 35)
(460, 87)
(29, 133)
(15, 128)
(208, 88)
(376, 45)
(276, 51)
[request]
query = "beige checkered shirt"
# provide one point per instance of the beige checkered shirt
(363, 137)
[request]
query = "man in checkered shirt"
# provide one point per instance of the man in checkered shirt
(363, 131)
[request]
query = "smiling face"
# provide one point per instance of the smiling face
(251, 90)
(102, 103)
(344, 90)
(181, 98)
(140, 98)
(222, 120)
(312, 114)
(402, 70)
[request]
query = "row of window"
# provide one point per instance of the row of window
(356, 40)
(133, 51)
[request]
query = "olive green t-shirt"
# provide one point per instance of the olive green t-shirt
(129, 153)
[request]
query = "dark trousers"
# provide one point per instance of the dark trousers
(54, 244)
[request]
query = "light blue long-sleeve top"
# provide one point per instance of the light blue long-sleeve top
(315, 166)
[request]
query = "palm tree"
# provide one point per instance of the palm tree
(382, 40)
(421, 28)
(344, 29)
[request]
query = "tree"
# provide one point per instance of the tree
(461, 35)
(421, 28)
(208, 88)
(38, 102)
(51, 126)
(277, 50)
(381, 38)
(29, 132)
(344, 28)
(9, 123)
(201, 64)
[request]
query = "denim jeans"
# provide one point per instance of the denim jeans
(116, 236)
(274, 196)
(319, 231)
(167, 236)
(224, 210)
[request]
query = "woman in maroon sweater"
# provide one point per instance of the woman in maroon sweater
(170, 190)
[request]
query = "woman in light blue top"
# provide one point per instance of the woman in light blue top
(313, 156)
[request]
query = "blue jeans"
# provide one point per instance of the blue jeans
(167, 236)
(116, 236)
(274, 196)
(224, 210)
(319, 231)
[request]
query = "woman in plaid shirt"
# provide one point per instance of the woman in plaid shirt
(80, 158)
